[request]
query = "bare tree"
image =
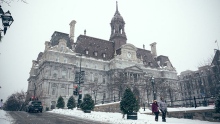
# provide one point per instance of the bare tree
(95, 88)
(206, 62)
(8, 2)
(119, 84)
(146, 88)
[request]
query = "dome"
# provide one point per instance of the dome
(117, 16)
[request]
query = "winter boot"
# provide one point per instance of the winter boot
(164, 120)
(156, 119)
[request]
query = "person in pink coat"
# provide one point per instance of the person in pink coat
(155, 109)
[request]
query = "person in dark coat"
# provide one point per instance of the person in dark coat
(155, 109)
(163, 108)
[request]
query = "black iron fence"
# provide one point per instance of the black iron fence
(194, 102)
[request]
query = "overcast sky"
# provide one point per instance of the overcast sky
(185, 31)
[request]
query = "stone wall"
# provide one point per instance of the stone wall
(207, 115)
(111, 107)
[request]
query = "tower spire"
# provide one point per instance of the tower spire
(116, 6)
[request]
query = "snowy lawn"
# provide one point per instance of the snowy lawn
(5, 118)
(116, 118)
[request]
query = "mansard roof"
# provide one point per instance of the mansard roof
(163, 59)
(59, 35)
(147, 57)
(104, 49)
(86, 43)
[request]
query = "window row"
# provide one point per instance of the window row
(95, 53)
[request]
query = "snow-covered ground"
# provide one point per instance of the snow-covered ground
(116, 118)
(5, 118)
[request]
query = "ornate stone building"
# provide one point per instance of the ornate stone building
(110, 66)
(202, 85)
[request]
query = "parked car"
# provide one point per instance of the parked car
(34, 106)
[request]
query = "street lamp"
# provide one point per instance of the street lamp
(153, 83)
(7, 19)
(80, 80)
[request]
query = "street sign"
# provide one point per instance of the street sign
(77, 77)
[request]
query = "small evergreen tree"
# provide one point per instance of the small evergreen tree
(217, 104)
(60, 102)
(71, 103)
(11, 104)
(88, 103)
(128, 103)
(15, 102)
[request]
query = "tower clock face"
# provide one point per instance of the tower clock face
(129, 55)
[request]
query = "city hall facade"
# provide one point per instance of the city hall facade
(110, 66)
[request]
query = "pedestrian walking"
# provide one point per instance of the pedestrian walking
(155, 109)
(163, 108)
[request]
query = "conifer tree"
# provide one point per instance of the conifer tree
(128, 103)
(217, 104)
(88, 103)
(71, 103)
(60, 102)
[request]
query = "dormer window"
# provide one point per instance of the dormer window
(87, 52)
(62, 48)
(95, 53)
(103, 55)
(165, 64)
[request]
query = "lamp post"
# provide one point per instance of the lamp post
(204, 100)
(153, 83)
(7, 20)
(34, 91)
(80, 80)
(195, 105)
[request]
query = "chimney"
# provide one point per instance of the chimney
(85, 32)
(72, 30)
(143, 46)
(153, 49)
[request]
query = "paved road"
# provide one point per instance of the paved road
(21, 117)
